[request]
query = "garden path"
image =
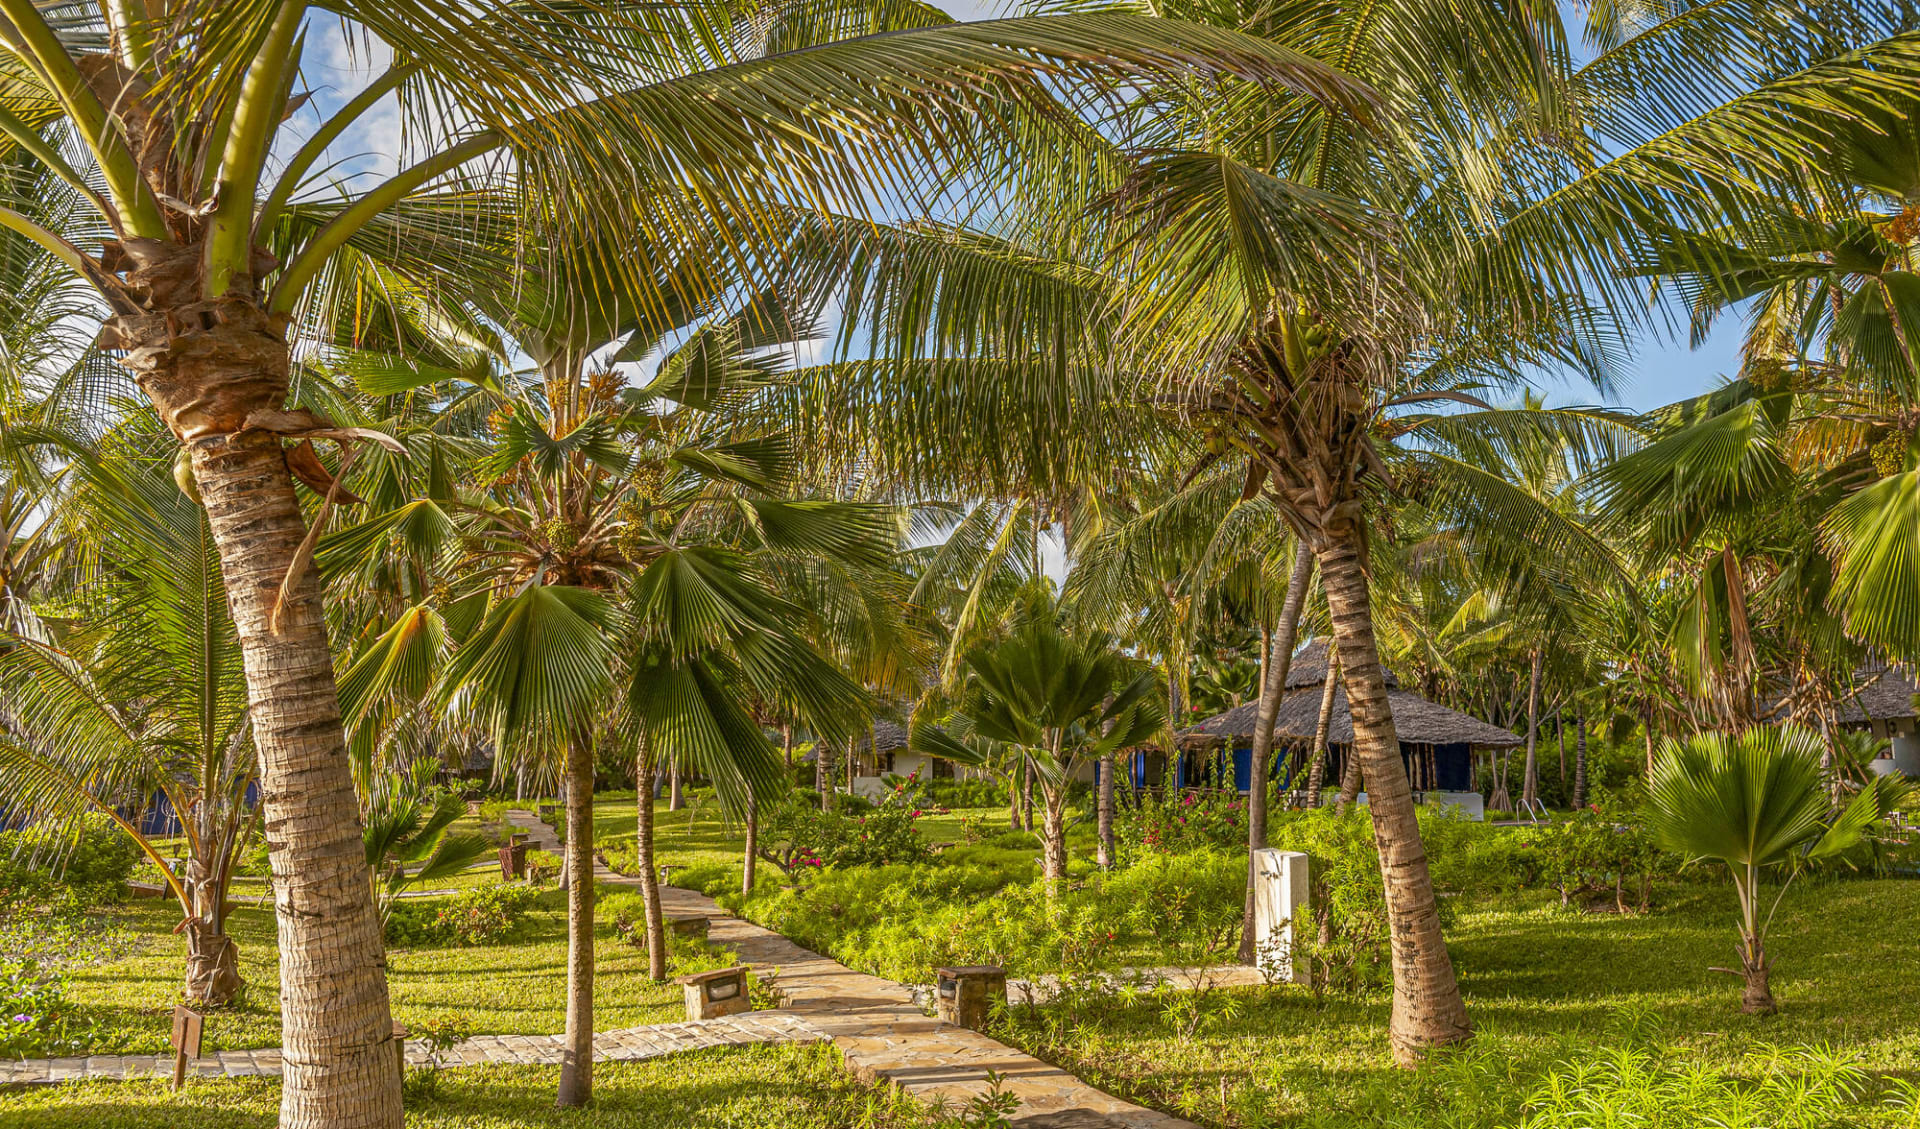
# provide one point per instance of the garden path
(875, 1023)
(882, 1034)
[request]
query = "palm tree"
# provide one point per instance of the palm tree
(1757, 802)
(133, 689)
(625, 568)
(179, 110)
(1061, 701)
(1290, 280)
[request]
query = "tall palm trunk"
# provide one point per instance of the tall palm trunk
(820, 769)
(1580, 759)
(1317, 773)
(576, 1051)
(335, 1027)
(674, 800)
(650, 877)
(1026, 794)
(1530, 778)
(753, 844)
(1053, 834)
(1427, 1008)
(1276, 661)
(1106, 854)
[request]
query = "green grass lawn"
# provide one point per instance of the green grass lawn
(788, 1087)
(515, 987)
(701, 833)
(1544, 986)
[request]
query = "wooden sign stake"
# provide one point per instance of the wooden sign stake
(187, 1027)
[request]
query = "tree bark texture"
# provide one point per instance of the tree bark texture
(1107, 855)
(336, 1029)
(1427, 1008)
(576, 1051)
(1276, 662)
(1530, 779)
(1317, 770)
(650, 885)
(752, 852)
(1579, 760)
(1053, 834)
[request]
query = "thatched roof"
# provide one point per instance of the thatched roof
(1885, 694)
(1415, 719)
(1309, 667)
(890, 736)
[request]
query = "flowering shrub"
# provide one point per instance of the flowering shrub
(36, 1018)
(1190, 821)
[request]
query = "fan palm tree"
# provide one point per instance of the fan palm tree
(1757, 802)
(1061, 701)
(132, 689)
(178, 110)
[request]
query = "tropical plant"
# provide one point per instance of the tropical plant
(406, 820)
(1757, 802)
(127, 691)
(605, 115)
(1060, 700)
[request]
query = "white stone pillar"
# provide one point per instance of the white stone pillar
(1280, 901)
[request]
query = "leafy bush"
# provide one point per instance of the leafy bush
(798, 837)
(980, 905)
(975, 793)
(480, 916)
(88, 869)
(36, 1018)
(1174, 825)
(1597, 852)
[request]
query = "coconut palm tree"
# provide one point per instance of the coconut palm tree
(1757, 802)
(131, 688)
(187, 168)
(1290, 280)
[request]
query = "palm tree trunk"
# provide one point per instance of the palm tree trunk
(820, 774)
(1276, 661)
(1580, 759)
(753, 844)
(1107, 855)
(674, 800)
(1349, 781)
(1560, 737)
(1026, 794)
(336, 1028)
(1317, 773)
(1427, 1008)
(576, 1050)
(1053, 834)
(1530, 779)
(650, 879)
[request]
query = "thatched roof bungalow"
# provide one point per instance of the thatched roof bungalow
(1436, 743)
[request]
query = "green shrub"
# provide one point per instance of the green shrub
(964, 793)
(1595, 852)
(36, 1018)
(88, 868)
(798, 837)
(1347, 942)
(480, 916)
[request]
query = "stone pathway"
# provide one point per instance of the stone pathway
(883, 1035)
(874, 1023)
(630, 1044)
